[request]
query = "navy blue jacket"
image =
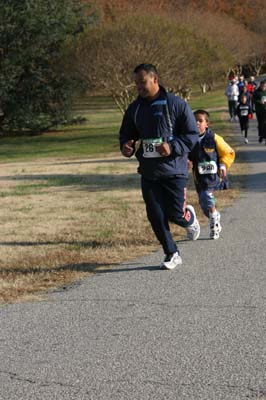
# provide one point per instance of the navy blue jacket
(204, 157)
(167, 117)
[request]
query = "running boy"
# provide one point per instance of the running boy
(211, 158)
(244, 113)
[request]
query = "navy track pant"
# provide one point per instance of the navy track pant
(165, 201)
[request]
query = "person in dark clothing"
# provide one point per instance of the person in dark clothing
(252, 86)
(245, 92)
(244, 112)
(164, 127)
(211, 158)
(241, 83)
(260, 107)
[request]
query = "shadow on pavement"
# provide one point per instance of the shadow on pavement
(252, 156)
(129, 269)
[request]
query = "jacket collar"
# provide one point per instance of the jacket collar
(162, 94)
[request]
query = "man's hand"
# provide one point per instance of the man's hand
(128, 148)
(164, 149)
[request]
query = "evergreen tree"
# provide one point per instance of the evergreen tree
(34, 90)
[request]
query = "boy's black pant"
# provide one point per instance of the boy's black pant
(244, 124)
(165, 201)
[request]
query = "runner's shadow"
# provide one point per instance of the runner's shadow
(129, 269)
(82, 267)
(253, 156)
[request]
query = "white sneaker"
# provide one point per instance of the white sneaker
(215, 226)
(171, 261)
(246, 140)
(193, 231)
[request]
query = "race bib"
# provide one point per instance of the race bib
(207, 167)
(244, 113)
(149, 147)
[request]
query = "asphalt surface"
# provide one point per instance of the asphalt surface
(136, 332)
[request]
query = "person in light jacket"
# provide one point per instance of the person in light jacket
(232, 93)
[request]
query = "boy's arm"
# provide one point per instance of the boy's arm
(226, 154)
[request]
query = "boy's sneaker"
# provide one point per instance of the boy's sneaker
(171, 261)
(246, 140)
(215, 226)
(193, 231)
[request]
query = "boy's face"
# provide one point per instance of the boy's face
(201, 123)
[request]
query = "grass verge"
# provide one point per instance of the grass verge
(67, 213)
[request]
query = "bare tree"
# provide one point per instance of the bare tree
(105, 55)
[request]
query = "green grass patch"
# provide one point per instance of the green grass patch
(213, 99)
(215, 102)
(97, 136)
(55, 181)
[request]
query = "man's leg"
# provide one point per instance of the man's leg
(176, 209)
(260, 120)
(155, 206)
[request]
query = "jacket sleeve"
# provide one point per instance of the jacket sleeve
(185, 130)
(226, 92)
(128, 130)
(226, 154)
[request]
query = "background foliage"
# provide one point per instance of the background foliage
(50, 50)
(34, 90)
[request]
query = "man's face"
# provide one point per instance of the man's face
(263, 86)
(147, 84)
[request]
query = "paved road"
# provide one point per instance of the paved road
(138, 333)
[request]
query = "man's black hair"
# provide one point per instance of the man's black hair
(146, 67)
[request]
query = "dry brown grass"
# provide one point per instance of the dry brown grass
(61, 220)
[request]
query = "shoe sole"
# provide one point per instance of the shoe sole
(198, 234)
(214, 237)
(192, 210)
(163, 266)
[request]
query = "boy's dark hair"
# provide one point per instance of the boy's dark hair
(203, 112)
(146, 67)
(242, 96)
